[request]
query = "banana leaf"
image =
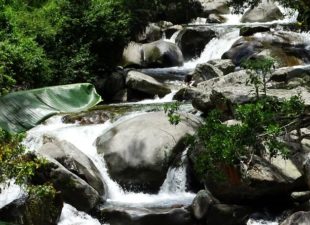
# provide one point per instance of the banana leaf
(20, 111)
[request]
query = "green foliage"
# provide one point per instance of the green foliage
(171, 109)
(19, 166)
(258, 69)
(259, 126)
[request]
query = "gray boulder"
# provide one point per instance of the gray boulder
(141, 216)
(205, 72)
(147, 84)
(152, 33)
(225, 65)
(138, 150)
(75, 161)
(214, 6)
(161, 54)
(202, 203)
(155, 54)
(300, 218)
(264, 12)
(250, 30)
(192, 41)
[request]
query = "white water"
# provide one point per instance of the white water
(9, 193)
(215, 48)
(71, 216)
(261, 222)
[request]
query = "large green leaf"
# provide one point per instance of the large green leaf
(20, 111)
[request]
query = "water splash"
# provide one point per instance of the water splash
(71, 215)
(9, 192)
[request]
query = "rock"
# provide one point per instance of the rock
(155, 54)
(187, 94)
(288, 48)
(112, 85)
(242, 50)
(227, 214)
(144, 83)
(214, 6)
(161, 54)
(201, 204)
(74, 190)
(264, 12)
(249, 31)
(133, 55)
(215, 18)
(300, 218)
(193, 41)
(225, 65)
(205, 72)
(152, 33)
(33, 211)
(301, 197)
(75, 161)
(89, 117)
(138, 150)
(170, 31)
(117, 216)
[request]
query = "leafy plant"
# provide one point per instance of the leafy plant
(171, 109)
(258, 69)
(259, 127)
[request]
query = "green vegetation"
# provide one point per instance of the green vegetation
(16, 165)
(258, 69)
(259, 126)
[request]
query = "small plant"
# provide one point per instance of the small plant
(258, 69)
(171, 109)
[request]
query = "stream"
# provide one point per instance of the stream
(173, 190)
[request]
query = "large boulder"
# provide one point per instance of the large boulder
(225, 65)
(138, 150)
(205, 72)
(75, 161)
(112, 85)
(161, 54)
(264, 12)
(288, 48)
(155, 54)
(147, 84)
(31, 210)
(74, 190)
(202, 203)
(141, 216)
(214, 6)
(300, 218)
(151, 33)
(250, 30)
(192, 41)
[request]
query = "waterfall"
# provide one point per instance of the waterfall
(215, 48)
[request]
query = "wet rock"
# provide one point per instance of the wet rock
(90, 117)
(301, 197)
(187, 94)
(75, 161)
(249, 31)
(112, 85)
(228, 214)
(152, 33)
(144, 83)
(117, 216)
(225, 65)
(300, 218)
(155, 54)
(203, 201)
(74, 190)
(193, 41)
(264, 12)
(205, 72)
(138, 150)
(215, 18)
(170, 31)
(161, 54)
(214, 6)
(29, 210)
